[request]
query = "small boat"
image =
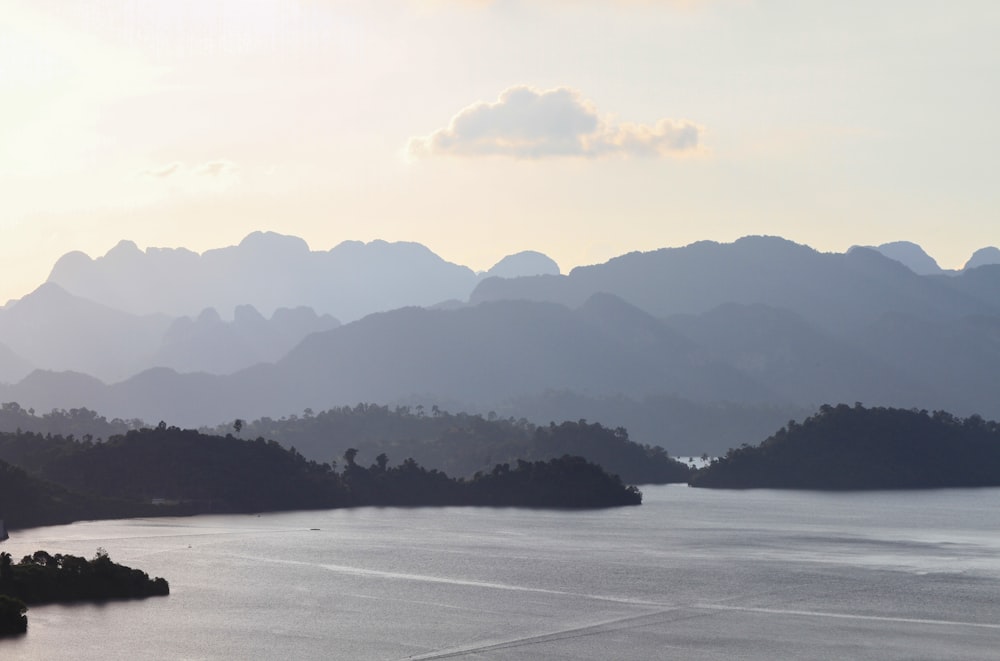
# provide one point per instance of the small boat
(3, 531)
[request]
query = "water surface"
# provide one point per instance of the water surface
(691, 574)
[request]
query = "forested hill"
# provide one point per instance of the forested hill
(844, 447)
(78, 422)
(169, 471)
(198, 472)
(29, 501)
(459, 444)
(462, 444)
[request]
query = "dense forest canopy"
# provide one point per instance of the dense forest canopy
(28, 500)
(171, 471)
(78, 422)
(462, 443)
(853, 447)
(42, 578)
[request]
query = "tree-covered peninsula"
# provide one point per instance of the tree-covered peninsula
(42, 578)
(853, 447)
(171, 471)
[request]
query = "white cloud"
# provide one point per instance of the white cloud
(163, 171)
(177, 178)
(528, 123)
(209, 169)
(215, 169)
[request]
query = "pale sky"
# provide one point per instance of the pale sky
(580, 128)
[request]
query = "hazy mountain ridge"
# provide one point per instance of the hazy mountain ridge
(496, 354)
(797, 362)
(270, 271)
(760, 327)
(911, 256)
(13, 367)
(482, 356)
(833, 291)
(917, 260)
(210, 344)
(983, 257)
(51, 329)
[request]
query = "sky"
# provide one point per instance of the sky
(583, 129)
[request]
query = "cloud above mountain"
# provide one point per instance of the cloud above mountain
(208, 169)
(529, 123)
(163, 171)
(209, 177)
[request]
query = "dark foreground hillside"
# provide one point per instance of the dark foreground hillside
(170, 471)
(846, 447)
(27, 500)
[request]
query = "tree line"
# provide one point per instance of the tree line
(170, 471)
(461, 443)
(42, 578)
(854, 447)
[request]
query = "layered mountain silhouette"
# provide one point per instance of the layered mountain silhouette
(481, 356)
(832, 291)
(51, 329)
(796, 361)
(207, 343)
(13, 367)
(914, 258)
(527, 262)
(911, 256)
(684, 346)
(270, 271)
(55, 330)
(983, 257)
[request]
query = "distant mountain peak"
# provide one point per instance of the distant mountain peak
(125, 246)
(260, 241)
(982, 257)
(52, 297)
(524, 263)
(267, 270)
(247, 314)
(910, 255)
(209, 316)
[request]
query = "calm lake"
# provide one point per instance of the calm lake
(691, 574)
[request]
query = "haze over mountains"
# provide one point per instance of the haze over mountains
(270, 271)
(688, 347)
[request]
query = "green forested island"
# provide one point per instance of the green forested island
(853, 447)
(42, 578)
(170, 471)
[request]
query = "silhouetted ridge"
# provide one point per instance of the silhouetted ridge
(847, 447)
(836, 292)
(269, 271)
(53, 329)
(171, 471)
(462, 444)
(910, 255)
(525, 263)
(982, 257)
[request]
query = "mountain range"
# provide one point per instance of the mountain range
(687, 347)
(270, 271)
